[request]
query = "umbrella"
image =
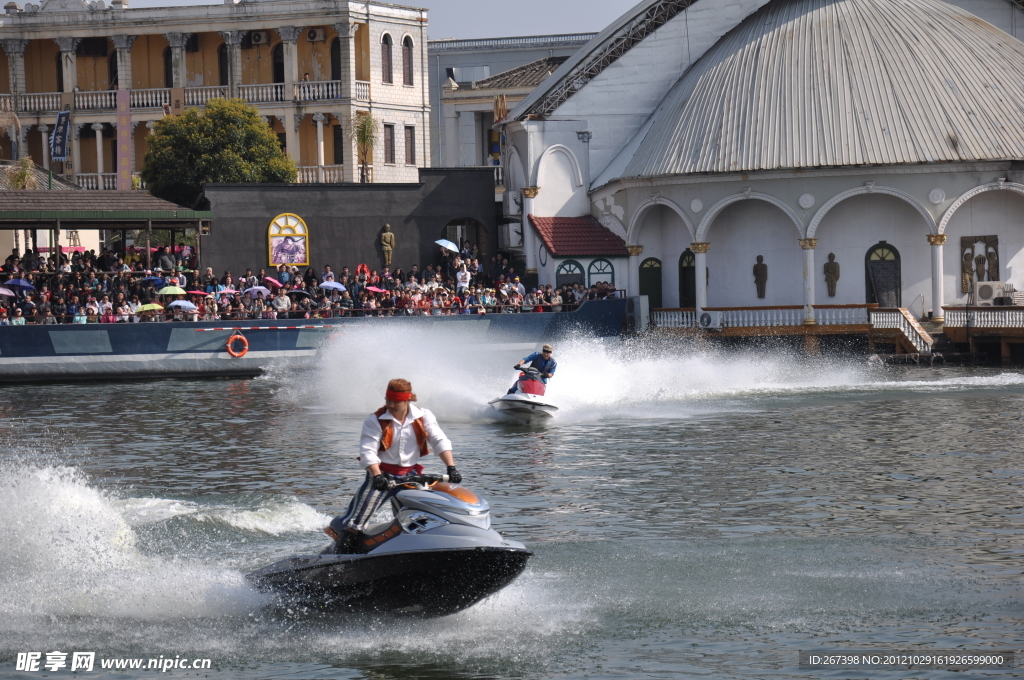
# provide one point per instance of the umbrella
(7, 292)
(153, 278)
(258, 289)
(447, 245)
(197, 292)
(152, 307)
(184, 304)
(272, 281)
(171, 290)
(332, 285)
(374, 289)
(299, 292)
(20, 283)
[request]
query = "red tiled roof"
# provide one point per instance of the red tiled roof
(577, 236)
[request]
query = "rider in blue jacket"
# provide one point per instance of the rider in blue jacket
(542, 361)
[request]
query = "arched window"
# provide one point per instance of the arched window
(277, 55)
(883, 278)
(336, 59)
(687, 279)
(387, 74)
(650, 281)
(222, 63)
(600, 271)
(407, 61)
(569, 273)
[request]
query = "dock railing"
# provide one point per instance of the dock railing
(984, 317)
(763, 317)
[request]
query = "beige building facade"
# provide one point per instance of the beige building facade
(310, 67)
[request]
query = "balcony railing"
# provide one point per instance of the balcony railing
(984, 317)
(106, 180)
(198, 96)
(362, 90)
(317, 90)
(96, 101)
(321, 174)
(40, 101)
(256, 94)
(151, 98)
(758, 317)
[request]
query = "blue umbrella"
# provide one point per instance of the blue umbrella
(331, 285)
(153, 278)
(299, 292)
(20, 283)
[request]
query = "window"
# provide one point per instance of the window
(389, 144)
(407, 61)
(601, 271)
(410, 145)
(112, 82)
(336, 59)
(92, 47)
(387, 75)
(278, 57)
(466, 74)
(569, 272)
(222, 63)
(192, 43)
(60, 72)
(339, 145)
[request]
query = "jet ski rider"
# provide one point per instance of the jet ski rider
(393, 439)
(542, 361)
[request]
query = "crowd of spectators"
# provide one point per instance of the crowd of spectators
(108, 288)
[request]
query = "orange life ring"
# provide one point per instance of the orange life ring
(231, 345)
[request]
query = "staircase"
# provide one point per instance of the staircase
(941, 344)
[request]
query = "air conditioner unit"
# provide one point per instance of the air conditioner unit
(316, 35)
(510, 236)
(710, 321)
(990, 293)
(259, 38)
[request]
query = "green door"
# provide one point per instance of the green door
(650, 281)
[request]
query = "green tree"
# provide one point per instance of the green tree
(228, 142)
(21, 174)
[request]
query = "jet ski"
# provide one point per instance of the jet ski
(527, 404)
(438, 556)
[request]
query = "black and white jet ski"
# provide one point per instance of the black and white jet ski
(438, 556)
(527, 404)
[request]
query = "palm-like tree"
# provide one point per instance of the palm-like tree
(21, 175)
(367, 128)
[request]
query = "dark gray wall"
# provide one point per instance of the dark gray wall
(345, 220)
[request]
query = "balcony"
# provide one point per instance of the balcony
(317, 90)
(262, 94)
(321, 174)
(106, 181)
(362, 92)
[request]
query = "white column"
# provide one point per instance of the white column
(44, 132)
(76, 148)
(319, 118)
(290, 38)
(233, 40)
(938, 298)
(346, 34)
(529, 239)
(292, 121)
(15, 50)
(68, 61)
(633, 278)
(177, 43)
(700, 264)
(98, 129)
(467, 140)
(809, 244)
(123, 46)
(451, 136)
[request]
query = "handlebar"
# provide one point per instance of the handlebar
(418, 480)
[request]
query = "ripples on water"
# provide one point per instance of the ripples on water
(691, 513)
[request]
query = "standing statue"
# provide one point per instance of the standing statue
(993, 265)
(760, 275)
(967, 273)
(979, 269)
(387, 244)
(831, 274)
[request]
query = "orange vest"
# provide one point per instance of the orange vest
(387, 428)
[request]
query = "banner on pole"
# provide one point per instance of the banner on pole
(124, 140)
(59, 137)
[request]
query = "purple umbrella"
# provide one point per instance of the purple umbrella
(20, 283)
(258, 289)
(7, 292)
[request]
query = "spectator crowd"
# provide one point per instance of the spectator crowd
(105, 288)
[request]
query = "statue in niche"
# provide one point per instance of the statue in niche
(760, 276)
(967, 272)
(387, 244)
(831, 274)
(979, 269)
(993, 265)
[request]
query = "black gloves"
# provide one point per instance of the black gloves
(517, 367)
(453, 475)
(380, 483)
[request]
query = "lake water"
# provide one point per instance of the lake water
(692, 514)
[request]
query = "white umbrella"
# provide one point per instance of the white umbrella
(447, 245)
(184, 304)
(331, 285)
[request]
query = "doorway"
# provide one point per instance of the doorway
(650, 281)
(687, 279)
(883, 276)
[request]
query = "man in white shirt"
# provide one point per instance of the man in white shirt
(462, 280)
(393, 440)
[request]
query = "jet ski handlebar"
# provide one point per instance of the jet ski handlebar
(418, 480)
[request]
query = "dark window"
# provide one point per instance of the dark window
(389, 143)
(92, 47)
(339, 145)
(601, 271)
(113, 83)
(687, 279)
(278, 57)
(407, 61)
(883, 276)
(410, 145)
(336, 59)
(192, 42)
(246, 41)
(569, 272)
(650, 281)
(282, 141)
(168, 68)
(60, 73)
(222, 62)
(387, 74)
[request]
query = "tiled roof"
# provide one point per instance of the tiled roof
(577, 236)
(41, 175)
(528, 75)
(92, 201)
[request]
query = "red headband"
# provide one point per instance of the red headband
(391, 395)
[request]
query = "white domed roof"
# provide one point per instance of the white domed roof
(825, 83)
